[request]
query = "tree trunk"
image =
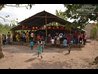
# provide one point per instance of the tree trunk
(1, 53)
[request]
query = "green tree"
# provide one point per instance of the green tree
(94, 32)
(81, 17)
(6, 27)
(61, 14)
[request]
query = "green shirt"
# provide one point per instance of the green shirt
(39, 49)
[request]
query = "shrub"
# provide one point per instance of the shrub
(93, 33)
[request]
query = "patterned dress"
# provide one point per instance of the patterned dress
(40, 48)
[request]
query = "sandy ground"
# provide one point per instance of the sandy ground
(22, 57)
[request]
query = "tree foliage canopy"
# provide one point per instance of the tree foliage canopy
(83, 16)
(72, 12)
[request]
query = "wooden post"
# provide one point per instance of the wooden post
(1, 53)
(12, 36)
(1, 39)
(46, 26)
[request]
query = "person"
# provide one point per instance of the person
(65, 42)
(31, 36)
(8, 37)
(81, 38)
(68, 38)
(40, 49)
(21, 38)
(27, 36)
(49, 38)
(24, 37)
(70, 45)
(58, 41)
(84, 38)
(17, 37)
(61, 37)
(4, 39)
(43, 43)
(31, 44)
(52, 41)
(75, 35)
(38, 37)
(55, 39)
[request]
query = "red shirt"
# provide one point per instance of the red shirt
(68, 38)
(38, 37)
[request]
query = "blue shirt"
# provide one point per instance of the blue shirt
(31, 43)
(65, 42)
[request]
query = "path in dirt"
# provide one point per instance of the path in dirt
(21, 57)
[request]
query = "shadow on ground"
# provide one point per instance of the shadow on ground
(48, 65)
(31, 59)
(26, 49)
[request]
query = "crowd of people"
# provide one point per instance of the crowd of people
(6, 39)
(56, 39)
(65, 39)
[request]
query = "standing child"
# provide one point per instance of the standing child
(65, 42)
(43, 44)
(31, 44)
(52, 41)
(40, 49)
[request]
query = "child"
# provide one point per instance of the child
(52, 41)
(65, 42)
(58, 41)
(40, 49)
(31, 44)
(43, 44)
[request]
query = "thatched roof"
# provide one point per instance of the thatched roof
(40, 19)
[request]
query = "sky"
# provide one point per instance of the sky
(22, 13)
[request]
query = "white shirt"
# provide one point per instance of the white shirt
(32, 35)
(58, 38)
(61, 35)
(52, 41)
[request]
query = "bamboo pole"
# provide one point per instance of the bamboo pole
(46, 26)
(1, 53)
(0, 39)
(12, 35)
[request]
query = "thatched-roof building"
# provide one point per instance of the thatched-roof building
(39, 19)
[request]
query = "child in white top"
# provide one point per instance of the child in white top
(52, 41)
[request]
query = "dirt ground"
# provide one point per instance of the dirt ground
(22, 57)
